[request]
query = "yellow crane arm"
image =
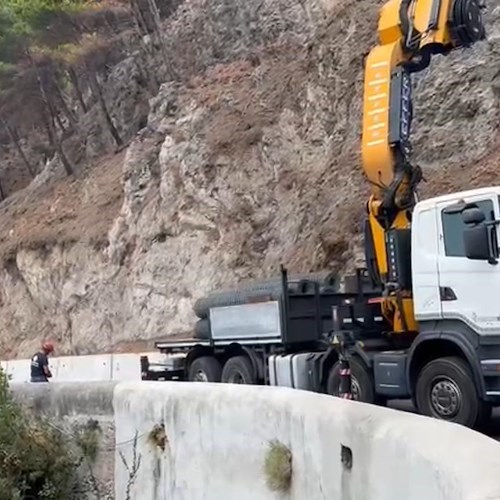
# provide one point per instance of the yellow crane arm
(409, 33)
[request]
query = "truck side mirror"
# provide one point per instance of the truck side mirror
(480, 239)
(477, 243)
(473, 215)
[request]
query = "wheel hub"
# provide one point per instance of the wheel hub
(200, 376)
(446, 398)
(355, 388)
(236, 379)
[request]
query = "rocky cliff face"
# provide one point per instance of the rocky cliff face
(248, 160)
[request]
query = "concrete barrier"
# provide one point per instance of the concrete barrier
(83, 368)
(18, 369)
(217, 437)
(99, 367)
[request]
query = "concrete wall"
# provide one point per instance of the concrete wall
(100, 367)
(217, 437)
(68, 405)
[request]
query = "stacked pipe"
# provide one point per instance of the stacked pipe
(251, 291)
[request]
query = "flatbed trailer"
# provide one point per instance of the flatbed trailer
(290, 341)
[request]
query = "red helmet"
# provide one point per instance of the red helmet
(48, 346)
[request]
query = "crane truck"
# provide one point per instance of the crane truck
(422, 319)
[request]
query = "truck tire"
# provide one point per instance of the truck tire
(361, 382)
(445, 390)
(202, 329)
(239, 370)
(234, 298)
(272, 286)
(321, 277)
(205, 369)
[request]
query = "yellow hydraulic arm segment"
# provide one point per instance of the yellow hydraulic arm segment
(409, 33)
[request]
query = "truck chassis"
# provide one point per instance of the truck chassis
(295, 344)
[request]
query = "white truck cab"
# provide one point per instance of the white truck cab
(456, 293)
(455, 271)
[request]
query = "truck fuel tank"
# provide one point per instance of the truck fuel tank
(298, 370)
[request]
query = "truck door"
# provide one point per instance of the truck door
(469, 289)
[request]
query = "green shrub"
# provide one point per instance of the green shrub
(25, 20)
(87, 440)
(36, 459)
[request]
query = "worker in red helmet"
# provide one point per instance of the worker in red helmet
(40, 371)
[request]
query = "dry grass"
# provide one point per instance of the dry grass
(158, 437)
(64, 211)
(247, 95)
(483, 172)
(278, 467)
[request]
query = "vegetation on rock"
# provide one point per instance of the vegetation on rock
(38, 460)
(278, 467)
(24, 21)
(55, 57)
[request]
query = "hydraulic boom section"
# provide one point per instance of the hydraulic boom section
(409, 33)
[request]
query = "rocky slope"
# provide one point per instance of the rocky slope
(249, 159)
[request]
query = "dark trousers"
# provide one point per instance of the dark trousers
(39, 379)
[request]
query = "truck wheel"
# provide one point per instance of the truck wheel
(239, 370)
(202, 329)
(205, 369)
(445, 390)
(361, 382)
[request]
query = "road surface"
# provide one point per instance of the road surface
(493, 429)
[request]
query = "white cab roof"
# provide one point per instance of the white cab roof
(430, 202)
